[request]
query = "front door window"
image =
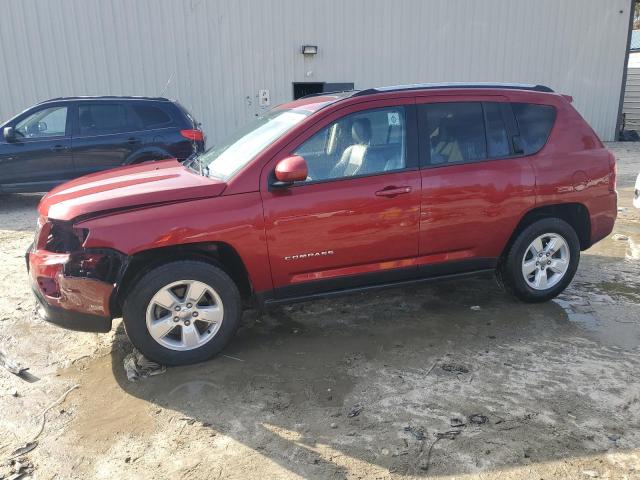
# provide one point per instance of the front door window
(363, 143)
(48, 122)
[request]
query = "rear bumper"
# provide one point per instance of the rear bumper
(75, 303)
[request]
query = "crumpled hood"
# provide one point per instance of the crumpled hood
(127, 187)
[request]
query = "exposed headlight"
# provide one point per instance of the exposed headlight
(60, 237)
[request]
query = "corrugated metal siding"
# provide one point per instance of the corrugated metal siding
(221, 52)
(631, 107)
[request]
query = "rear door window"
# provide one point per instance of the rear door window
(455, 132)
(103, 119)
(534, 123)
(151, 116)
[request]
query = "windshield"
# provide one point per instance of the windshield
(237, 151)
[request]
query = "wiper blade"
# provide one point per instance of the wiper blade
(202, 169)
(190, 159)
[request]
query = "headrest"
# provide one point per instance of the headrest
(361, 130)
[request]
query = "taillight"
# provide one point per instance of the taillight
(194, 135)
(613, 172)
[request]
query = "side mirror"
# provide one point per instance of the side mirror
(290, 169)
(9, 134)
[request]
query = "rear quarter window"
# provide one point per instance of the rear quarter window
(191, 120)
(151, 116)
(534, 123)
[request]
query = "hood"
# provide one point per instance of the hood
(127, 187)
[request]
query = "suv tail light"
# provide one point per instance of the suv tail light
(613, 172)
(194, 135)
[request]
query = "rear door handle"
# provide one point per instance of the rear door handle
(59, 148)
(393, 191)
(133, 140)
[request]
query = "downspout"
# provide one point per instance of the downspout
(624, 71)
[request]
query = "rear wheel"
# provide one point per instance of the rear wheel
(182, 312)
(542, 260)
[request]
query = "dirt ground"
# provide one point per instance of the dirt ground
(454, 379)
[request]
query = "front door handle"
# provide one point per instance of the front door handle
(59, 148)
(133, 140)
(393, 191)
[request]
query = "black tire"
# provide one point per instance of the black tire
(511, 268)
(137, 301)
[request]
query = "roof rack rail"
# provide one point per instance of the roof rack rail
(106, 97)
(434, 86)
(335, 92)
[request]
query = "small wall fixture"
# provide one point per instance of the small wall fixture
(309, 49)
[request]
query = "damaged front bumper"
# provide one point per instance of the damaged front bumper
(75, 290)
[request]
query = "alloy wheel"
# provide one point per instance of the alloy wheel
(184, 315)
(546, 261)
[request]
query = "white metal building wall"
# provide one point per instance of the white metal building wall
(631, 107)
(221, 52)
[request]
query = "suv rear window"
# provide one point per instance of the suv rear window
(192, 120)
(150, 116)
(535, 123)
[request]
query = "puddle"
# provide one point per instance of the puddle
(608, 319)
(586, 319)
(629, 292)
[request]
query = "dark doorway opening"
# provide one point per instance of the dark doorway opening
(302, 89)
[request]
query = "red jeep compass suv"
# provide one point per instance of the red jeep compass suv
(325, 195)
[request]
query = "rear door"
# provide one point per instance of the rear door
(106, 136)
(40, 155)
(474, 188)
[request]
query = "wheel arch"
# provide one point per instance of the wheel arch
(219, 254)
(575, 214)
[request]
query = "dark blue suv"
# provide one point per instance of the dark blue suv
(65, 138)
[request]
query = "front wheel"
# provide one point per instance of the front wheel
(182, 312)
(542, 260)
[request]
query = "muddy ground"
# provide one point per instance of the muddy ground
(530, 391)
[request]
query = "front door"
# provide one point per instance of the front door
(355, 220)
(39, 156)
